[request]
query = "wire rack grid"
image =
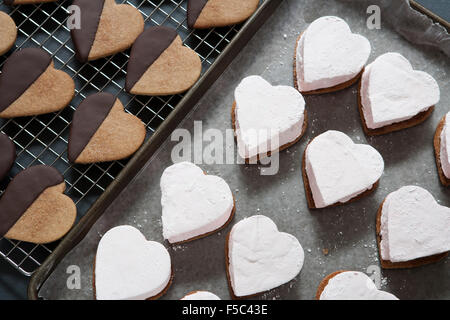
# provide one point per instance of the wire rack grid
(43, 139)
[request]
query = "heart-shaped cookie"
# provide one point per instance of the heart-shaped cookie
(102, 131)
(328, 56)
(260, 258)
(442, 149)
(160, 64)
(7, 155)
(30, 85)
(34, 208)
(106, 28)
(16, 2)
(128, 267)
(194, 204)
(350, 285)
(200, 295)
(394, 96)
(412, 229)
(8, 32)
(266, 118)
(336, 170)
(203, 14)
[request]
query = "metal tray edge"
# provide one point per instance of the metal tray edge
(137, 162)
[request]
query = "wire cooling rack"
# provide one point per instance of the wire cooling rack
(43, 139)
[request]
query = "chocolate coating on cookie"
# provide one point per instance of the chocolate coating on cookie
(88, 117)
(22, 191)
(83, 38)
(7, 155)
(146, 50)
(20, 71)
(195, 7)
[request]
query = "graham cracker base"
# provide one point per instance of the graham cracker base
(285, 146)
(417, 119)
(323, 90)
(211, 232)
(324, 283)
(386, 264)
(119, 136)
(159, 295)
(308, 192)
(8, 32)
(437, 152)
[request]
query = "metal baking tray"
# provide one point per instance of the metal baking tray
(43, 139)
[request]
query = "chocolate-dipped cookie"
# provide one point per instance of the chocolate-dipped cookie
(218, 13)
(147, 263)
(160, 64)
(106, 28)
(102, 131)
(34, 208)
(30, 85)
(7, 155)
(8, 32)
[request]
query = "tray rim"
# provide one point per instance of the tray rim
(150, 147)
(417, 6)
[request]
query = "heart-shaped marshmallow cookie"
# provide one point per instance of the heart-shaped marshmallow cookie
(266, 118)
(102, 131)
(218, 13)
(7, 155)
(128, 267)
(350, 285)
(200, 295)
(105, 28)
(412, 228)
(193, 204)
(160, 64)
(329, 57)
(394, 96)
(8, 32)
(442, 149)
(30, 85)
(260, 258)
(34, 208)
(336, 170)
